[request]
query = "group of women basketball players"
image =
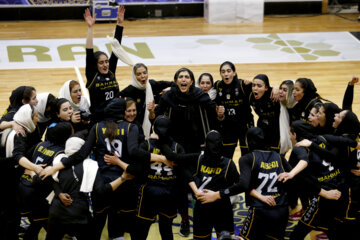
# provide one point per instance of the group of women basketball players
(71, 163)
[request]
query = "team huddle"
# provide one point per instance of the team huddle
(128, 158)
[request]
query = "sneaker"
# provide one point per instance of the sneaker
(296, 216)
(184, 228)
(322, 236)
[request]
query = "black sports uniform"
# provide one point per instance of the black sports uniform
(322, 213)
(102, 88)
(238, 118)
(214, 172)
(259, 170)
(268, 112)
(157, 196)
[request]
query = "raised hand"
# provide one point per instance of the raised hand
(88, 18)
(355, 79)
(120, 15)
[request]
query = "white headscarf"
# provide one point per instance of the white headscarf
(24, 117)
(65, 93)
(41, 106)
(284, 122)
(118, 50)
(149, 98)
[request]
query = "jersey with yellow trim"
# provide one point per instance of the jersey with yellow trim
(215, 174)
(118, 146)
(266, 168)
(159, 173)
(45, 153)
(235, 98)
(328, 174)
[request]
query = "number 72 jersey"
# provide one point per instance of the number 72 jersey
(267, 166)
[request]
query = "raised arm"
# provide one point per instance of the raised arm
(90, 21)
(349, 94)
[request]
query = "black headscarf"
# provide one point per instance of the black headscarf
(58, 133)
(161, 128)
(16, 97)
(303, 130)
(330, 110)
(349, 125)
(115, 110)
(255, 139)
(213, 145)
(263, 78)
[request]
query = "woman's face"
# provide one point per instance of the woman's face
(338, 118)
(130, 113)
(313, 117)
(321, 117)
(35, 118)
(205, 83)
(184, 81)
(33, 100)
(141, 75)
(283, 93)
(103, 64)
(65, 112)
(258, 88)
(227, 74)
(75, 94)
(298, 92)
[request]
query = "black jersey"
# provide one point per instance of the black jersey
(327, 173)
(159, 173)
(45, 153)
(215, 175)
(102, 87)
(268, 112)
(117, 146)
(235, 98)
(302, 109)
(267, 165)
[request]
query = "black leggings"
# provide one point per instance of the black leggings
(143, 226)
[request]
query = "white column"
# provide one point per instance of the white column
(225, 11)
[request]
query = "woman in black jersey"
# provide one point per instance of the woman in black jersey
(305, 93)
(20, 96)
(100, 70)
(157, 194)
(146, 92)
(267, 110)
(32, 190)
(326, 171)
(233, 109)
(213, 172)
